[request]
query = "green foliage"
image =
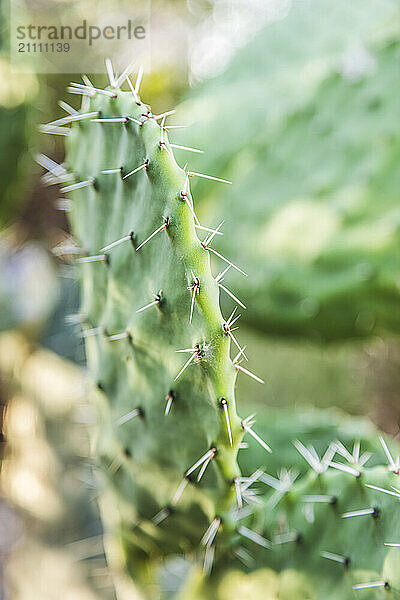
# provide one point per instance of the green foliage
(314, 157)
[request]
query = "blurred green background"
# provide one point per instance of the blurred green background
(297, 103)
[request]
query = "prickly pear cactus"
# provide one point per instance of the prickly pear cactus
(159, 353)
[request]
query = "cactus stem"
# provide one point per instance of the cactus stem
(254, 537)
(158, 230)
(361, 513)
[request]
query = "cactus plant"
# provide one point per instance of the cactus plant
(316, 157)
(159, 353)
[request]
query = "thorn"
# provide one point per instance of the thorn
(391, 545)
(181, 488)
(118, 336)
(245, 557)
(125, 73)
(249, 373)
(72, 119)
(238, 355)
(115, 465)
(139, 80)
(179, 147)
(232, 295)
(110, 120)
(246, 426)
(132, 88)
(254, 537)
(111, 171)
(238, 491)
(248, 481)
(164, 114)
(67, 108)
(373, 584)
(162, 228)
(224, 404)
(91, 332)
(78, 88)
(345, 468)
(320, 499)
(193, 173)
(126, 238)
(54, 130)
(77, 186)
(110, 72)
(139, 168)
(175, 126)
(136, 412)
(335, 557)
(208, 560)
(96, 258)
(225, 260)
(161, 516)
(209, 230)
(207, 456)
(285, 538)
(211, 532)
(361, 513)
(195, 288)
(154, 303)
(50, 165)
(395, 468)
(170, 399)
(63, 204)
(209, 239)
(379, 489)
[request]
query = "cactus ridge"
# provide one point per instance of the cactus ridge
(158, 348)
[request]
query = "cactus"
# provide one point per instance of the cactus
(318, 179)
(158, 349)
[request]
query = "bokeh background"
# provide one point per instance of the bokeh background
(297, 102)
